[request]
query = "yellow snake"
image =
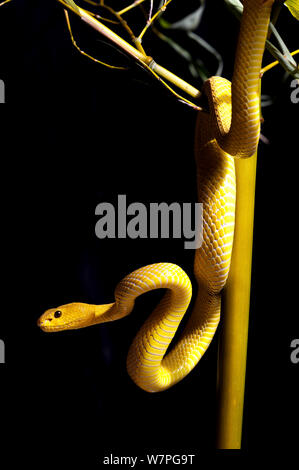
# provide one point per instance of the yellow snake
(229, 129)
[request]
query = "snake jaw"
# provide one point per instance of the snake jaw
(46, 325)
(67, 317)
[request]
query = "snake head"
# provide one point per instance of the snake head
(67, 317)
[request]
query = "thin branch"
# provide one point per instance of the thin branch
(5, 1)
(273, 64)
(152, 67)
(126, 27)
(130, 7)
(146, 61)
(84, 53)
(152, 19)
(102, 18)
(94, 4)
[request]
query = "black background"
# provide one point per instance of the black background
(74, 134)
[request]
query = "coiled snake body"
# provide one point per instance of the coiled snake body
(230, 129)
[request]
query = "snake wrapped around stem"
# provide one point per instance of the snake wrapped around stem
(229, 129)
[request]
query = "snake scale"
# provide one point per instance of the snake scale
(228, 130)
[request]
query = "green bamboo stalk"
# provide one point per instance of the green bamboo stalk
(236, 302)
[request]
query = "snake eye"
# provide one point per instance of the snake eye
(57, 314)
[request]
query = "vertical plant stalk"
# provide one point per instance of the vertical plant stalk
(232, 358)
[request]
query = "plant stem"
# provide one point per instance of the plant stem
(128, 8)
(236, 302)
(5, 1)
(152, 19)
(273, 64)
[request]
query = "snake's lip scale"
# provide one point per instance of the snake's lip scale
(65, 326)
(49, 329)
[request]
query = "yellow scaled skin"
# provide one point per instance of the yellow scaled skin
(228, 130)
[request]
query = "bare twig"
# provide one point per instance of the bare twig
(84, 53)
(146, 61)
(5, 1)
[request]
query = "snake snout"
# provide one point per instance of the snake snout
(43, 323)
